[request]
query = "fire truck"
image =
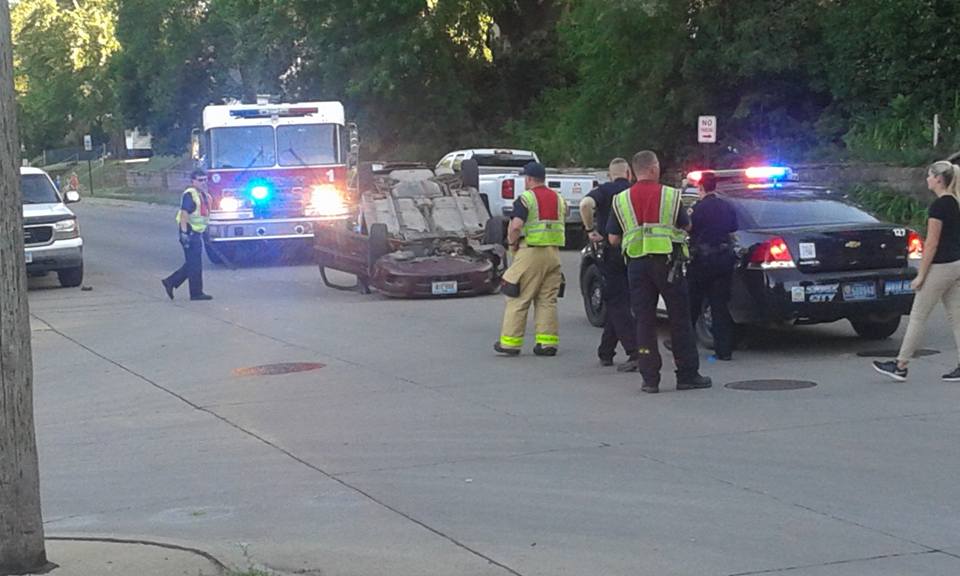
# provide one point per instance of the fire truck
(275, 172)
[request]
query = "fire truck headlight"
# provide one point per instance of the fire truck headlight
(229, 204)
(325, 200)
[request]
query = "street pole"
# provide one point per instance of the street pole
(21, 525)
(90, 173)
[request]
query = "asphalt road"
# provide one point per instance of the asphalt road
(416, 451)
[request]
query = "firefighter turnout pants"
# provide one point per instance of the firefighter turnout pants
(537, 270)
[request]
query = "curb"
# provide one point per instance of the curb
(221, 567)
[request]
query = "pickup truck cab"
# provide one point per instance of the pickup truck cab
(51, 235)
(501, 184)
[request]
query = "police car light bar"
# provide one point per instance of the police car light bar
(272, 111)
(765, 172)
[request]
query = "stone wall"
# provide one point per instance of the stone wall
(172, 181)
(911, 181)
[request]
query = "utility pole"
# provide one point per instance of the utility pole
(21, 525)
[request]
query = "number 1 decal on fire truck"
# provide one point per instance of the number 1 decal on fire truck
(276, 171)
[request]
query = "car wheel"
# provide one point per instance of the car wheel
(378, 244)
(495, 232)
(872, 329)
(704, 328)
(591, 287)
(71, 277)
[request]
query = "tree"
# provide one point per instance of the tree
(62, 61)
(21, 525)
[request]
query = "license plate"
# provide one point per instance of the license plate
(859, 291)
(28, 256)
(444, 288)
(897, 287)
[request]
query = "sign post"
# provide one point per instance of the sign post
(88, 146)
(707, 134)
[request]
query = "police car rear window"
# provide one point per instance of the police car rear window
(797, 212)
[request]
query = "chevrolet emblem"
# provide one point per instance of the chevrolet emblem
(853, 244)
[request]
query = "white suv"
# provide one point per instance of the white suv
(51, 234)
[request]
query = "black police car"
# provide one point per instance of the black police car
(806, 255)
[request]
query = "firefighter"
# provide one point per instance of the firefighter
(595, 209)
(535, 235)
(192, 220)
(650, 228)
(713, 221)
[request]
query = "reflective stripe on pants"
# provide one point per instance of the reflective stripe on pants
(538, 272)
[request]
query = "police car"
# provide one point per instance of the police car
(806, 255)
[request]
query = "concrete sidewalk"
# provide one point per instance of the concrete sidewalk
(91, 557)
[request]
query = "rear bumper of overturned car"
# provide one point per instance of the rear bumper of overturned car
(425, 277)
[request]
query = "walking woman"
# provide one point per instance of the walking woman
(939, 276)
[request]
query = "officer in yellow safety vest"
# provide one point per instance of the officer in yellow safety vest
(192, 219)
(650, 227)
(535, 235)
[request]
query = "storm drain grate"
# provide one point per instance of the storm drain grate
(892, 353)
(771, 385)
(278, 369)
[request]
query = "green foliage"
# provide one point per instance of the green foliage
(63, 81)
(891, 206)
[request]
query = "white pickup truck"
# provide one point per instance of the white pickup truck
(501, 184)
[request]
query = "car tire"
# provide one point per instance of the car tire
(704, 328)
(70, 277)
(495, 232)
(591, 287)
(871, 329)
(378, 244)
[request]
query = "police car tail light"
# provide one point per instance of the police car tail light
(774, 253)
(914, 246)
(765, 172)
(507, 190)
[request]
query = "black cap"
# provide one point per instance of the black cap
(198, 174)
(534, 170)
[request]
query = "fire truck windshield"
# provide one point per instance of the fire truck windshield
(261, 147)
(242, 147)
(307, 144)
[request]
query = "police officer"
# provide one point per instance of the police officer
(710, 273)
(649, 226)
(595, 209)
(535, 235)
(192, 219)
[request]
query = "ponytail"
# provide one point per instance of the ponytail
(950, 174)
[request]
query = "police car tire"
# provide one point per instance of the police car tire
(590, 282)
(70, 277)
(875, 329)
(704, 335)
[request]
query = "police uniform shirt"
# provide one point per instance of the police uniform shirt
(603, 197)
(613, 223)
(713, 220)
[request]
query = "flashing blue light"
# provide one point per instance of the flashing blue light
(260, 192)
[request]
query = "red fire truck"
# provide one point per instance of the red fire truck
(275, 172)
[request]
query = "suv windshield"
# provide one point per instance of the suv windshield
(798, 211)
(246, 147)
(307, 144)
(37, 189)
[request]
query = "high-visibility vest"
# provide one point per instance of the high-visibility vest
(200, 216)
(644, 238)
(541, 230)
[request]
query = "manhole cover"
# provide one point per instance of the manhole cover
(278, 369)
(892, 353)
(764, 385)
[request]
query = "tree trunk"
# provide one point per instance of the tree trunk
(21, 526)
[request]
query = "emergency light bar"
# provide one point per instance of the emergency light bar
(769, 173)
(274, 111)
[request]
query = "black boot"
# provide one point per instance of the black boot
(693, 382)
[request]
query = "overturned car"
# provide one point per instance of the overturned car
(416, 235)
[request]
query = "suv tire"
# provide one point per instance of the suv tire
(874, 329)
(71, 277)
